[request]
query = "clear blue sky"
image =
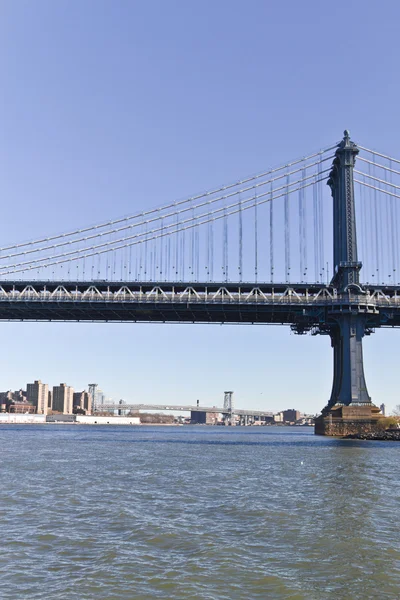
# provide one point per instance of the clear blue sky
(112, 106)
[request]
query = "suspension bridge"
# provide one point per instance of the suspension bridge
(278, 247)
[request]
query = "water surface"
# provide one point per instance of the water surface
(92, 512)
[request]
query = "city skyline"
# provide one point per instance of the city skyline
(62, 396)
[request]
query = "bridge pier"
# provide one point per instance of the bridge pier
(349, 386)
(350, 409)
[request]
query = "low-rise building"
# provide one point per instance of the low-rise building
(291, 415)
(203, 418)
(22, 408)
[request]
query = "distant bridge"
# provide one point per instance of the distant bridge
(109, 407)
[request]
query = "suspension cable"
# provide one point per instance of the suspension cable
(169, 226)
(378, 154)
(373, 187)
(173, 204)
(95, 252)
(377, 179)
(157, 218)
(375, 164)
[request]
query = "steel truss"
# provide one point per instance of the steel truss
(304, 306)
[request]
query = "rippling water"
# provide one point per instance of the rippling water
(197, 513)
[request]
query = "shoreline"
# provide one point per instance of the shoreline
(382, 436)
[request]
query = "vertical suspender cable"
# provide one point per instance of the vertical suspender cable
(145, 255)
(108, 261)
(196, 251)
(316, 241)
(227, 249)
(321, 222)
(137, 267)
(225, 245)
(389, 237)
(180, 255)
(130, 262)
(240, 239)
(177, 241)
(304, 229)
(377, 244)
(124, 264)
(154, 245)
(271, 235)
(167, 240)
(301, 239)
(192, 248)
(381, 239)
(167, 274)
(183, 275)
(155, 259)
(363, 212)
(212, 252)
(198, 254)
(255, 237)
(161, 253)
(287, 231)
(371, 236)
(393, 218)
(208, 251)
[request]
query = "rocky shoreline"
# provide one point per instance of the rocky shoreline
(392, 435)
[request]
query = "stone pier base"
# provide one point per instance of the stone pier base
(347, 420)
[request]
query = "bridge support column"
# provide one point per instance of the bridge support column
(350, 409)
(349, 385)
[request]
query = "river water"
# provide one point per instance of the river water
(196, 513)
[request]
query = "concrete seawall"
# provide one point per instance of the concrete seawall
(7, 418)
(17, 418)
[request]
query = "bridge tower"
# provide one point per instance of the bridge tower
(228, 409)
(350, 405)
(93, 392)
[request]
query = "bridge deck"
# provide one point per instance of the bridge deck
(305, 305)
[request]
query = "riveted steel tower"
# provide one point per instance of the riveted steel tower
(348, 324)
(228, 408)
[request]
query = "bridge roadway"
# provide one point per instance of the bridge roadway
(303, 306)
(181, 407)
